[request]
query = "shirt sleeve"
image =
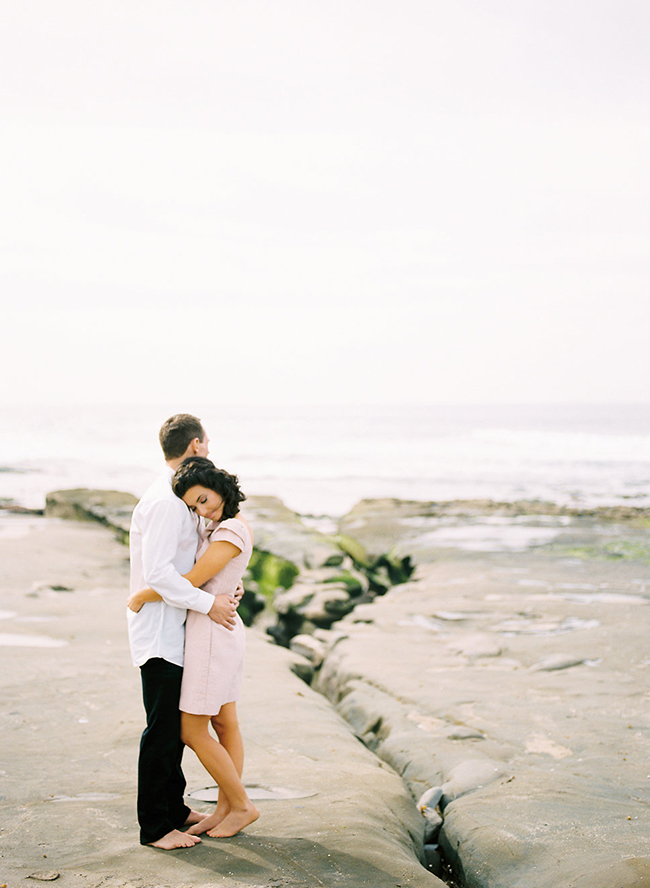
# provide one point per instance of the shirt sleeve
(160, 536)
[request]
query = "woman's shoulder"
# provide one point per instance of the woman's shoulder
(236, 526)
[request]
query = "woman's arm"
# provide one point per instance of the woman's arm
(214, 559)
(137, 599)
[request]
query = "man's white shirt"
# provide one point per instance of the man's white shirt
(163, 543)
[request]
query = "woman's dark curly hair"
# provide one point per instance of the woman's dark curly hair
(199, 470)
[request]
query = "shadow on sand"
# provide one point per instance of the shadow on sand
(283, 863)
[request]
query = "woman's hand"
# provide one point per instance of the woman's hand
(135, 601)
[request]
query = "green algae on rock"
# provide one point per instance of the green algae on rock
(112, 508)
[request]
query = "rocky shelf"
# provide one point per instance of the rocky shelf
(505, 681)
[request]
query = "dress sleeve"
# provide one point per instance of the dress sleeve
(231, 531)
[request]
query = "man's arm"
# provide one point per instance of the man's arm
(222, 611)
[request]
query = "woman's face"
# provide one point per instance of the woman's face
(204, 502)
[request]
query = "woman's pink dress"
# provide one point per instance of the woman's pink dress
(214, 655)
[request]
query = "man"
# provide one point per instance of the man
(163, 546)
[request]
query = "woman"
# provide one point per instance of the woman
(214, 655)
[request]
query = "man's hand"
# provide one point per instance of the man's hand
(223, 610)
(239, 592)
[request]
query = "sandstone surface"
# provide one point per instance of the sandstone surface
(332, 812)
(511, 678)
(507, 684)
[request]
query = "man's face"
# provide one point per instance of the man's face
(202, 449)
(204, 502)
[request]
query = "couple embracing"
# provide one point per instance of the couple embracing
(187, 638)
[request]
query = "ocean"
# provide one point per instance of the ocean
(322, 460)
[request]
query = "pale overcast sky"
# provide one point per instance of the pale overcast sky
(325, 201)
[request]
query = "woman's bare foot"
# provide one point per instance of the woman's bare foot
(175, 839)
(210, 821)
(235, 821)
(194, 817)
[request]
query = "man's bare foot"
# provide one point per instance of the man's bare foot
(209, 822)
(234, 822)
(194, 817)
(175, 839)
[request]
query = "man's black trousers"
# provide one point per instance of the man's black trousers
(161, 783)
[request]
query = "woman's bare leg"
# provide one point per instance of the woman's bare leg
(218, 763)
(194, 817)
(226, 726)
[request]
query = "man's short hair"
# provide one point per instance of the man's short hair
(177, 432)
